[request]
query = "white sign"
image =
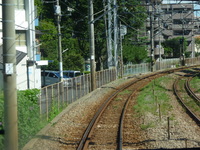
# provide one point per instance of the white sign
(9, 68)
(42, 62)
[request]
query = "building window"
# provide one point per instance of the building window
(178, 32)
(182, 32)
(177, 21)
(19, 4)
(20, 38)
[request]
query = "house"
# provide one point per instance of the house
(28, 61)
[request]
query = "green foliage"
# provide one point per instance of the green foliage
(55, 110)
(75, 34)
(73, 61)
(40, 8)
(146, 126)
(134, 54)
(194, 83)
(49, 40)
(197, 54)
(175, 46)
(152, 95)
(187, 54)
(86, 72)
(29, 122)
(124, 92)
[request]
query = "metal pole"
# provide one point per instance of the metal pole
(58, 13)
(9, 71)
(92, 45)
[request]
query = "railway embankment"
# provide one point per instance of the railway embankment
(162, 124)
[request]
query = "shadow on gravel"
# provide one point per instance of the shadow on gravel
(152, 140)
(108, 87)
(173, 148)
(56, 139)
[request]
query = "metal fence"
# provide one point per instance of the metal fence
(59, 95)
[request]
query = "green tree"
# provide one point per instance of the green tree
(73, 61)
(74, 29)
(134, 54)
(177, 46)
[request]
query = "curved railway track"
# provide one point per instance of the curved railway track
(103, 126)
(195, 114)
(190, 91)
(108, 120)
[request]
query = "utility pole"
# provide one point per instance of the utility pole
(110, 47)
(115, 35)
(152, 36)
(92, 45)
(9, 71)
(58, 14)
(121, 50)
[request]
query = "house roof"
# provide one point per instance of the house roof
(19, 55)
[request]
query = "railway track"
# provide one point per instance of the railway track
(190, 91)
(106, 128)
(107, 123)
(191, 102)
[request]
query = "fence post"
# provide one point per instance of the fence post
(47, 105)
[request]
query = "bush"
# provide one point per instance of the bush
(29, 122)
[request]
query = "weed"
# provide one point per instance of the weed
(151, 95)
(146, 126)
(118, 99)
(125, 92)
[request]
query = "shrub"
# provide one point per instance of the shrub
(29, 122)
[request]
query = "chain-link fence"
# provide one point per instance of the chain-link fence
(58, 96)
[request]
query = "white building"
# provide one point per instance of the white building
(28, 70)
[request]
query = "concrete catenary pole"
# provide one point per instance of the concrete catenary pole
(58, 13)
(110, 47)
(92, 44)
(152, 35)
(115, 36)
(9, 71)
(106, 30)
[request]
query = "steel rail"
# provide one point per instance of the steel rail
(120, 136)
(191, 92)
(190, 113)
(84, 141)
(83, 144)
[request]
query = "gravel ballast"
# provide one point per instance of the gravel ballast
(60, 133)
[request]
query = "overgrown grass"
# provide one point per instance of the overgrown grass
(29, 122)
(195, 83)
(125, 92)
(151, 96)
(55, 109)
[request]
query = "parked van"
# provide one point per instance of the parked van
(50, 77)
(72, 73)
